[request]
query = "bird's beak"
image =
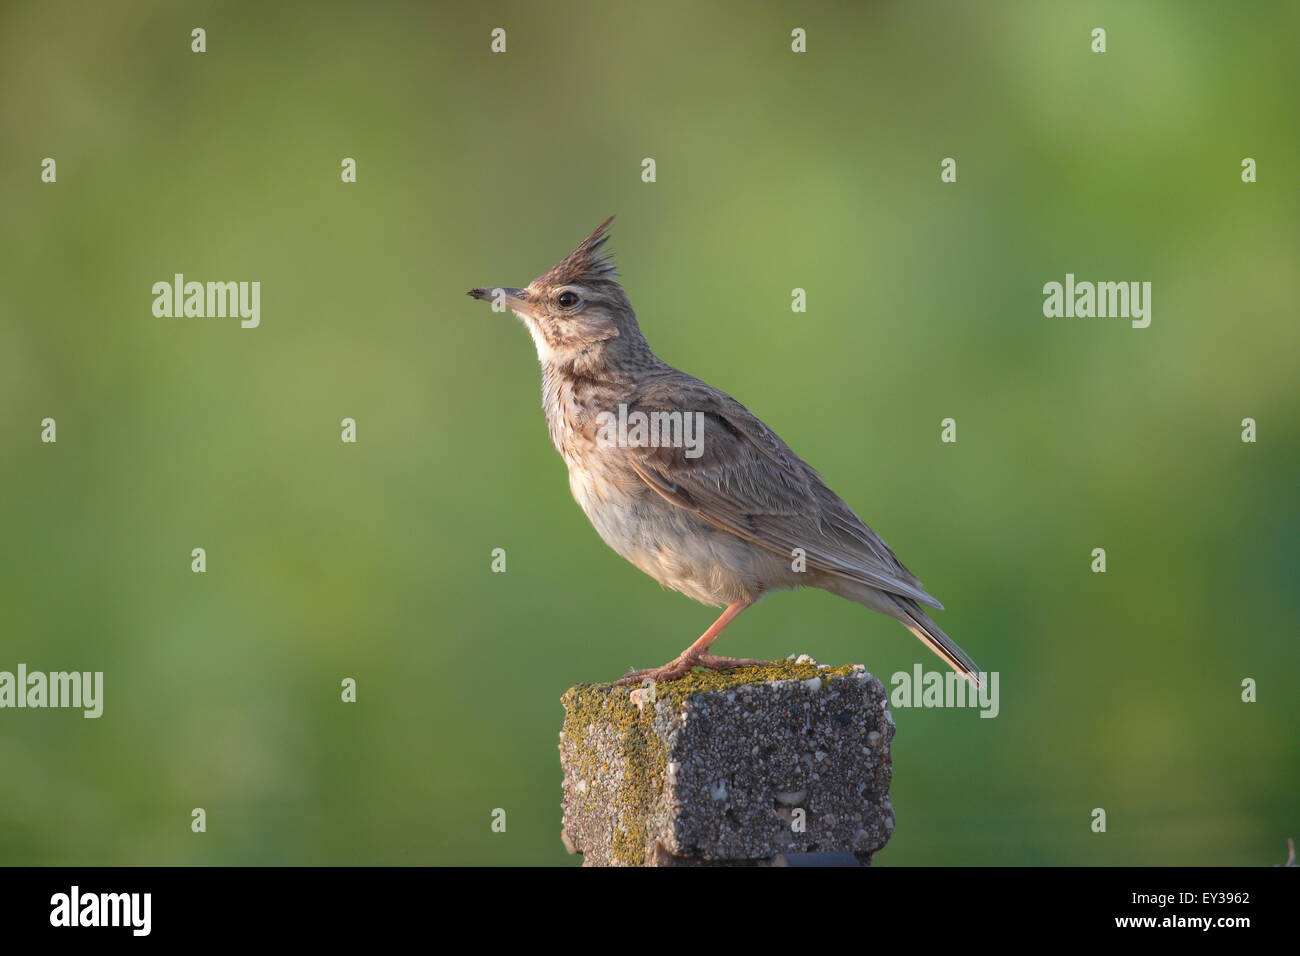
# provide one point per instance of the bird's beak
(513, 299)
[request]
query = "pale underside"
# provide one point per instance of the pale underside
(692, 524)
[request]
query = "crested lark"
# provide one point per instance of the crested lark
(720, 519)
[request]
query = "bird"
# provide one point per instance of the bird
(726, 518)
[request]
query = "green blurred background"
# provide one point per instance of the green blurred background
(775, 171)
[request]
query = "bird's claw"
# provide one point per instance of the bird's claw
(671, 671)
(681, 666)
(715, 663)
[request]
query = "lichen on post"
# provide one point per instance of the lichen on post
(781, 763)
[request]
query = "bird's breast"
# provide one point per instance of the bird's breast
(675, 547)
(672, 545)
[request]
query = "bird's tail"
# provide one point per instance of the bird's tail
(913, 618)
(933, 637)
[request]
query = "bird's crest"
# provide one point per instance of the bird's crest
(585, 263)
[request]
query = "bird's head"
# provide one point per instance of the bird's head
(576, 312)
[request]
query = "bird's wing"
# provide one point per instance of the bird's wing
(748, 482)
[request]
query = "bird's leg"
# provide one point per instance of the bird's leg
(696, 654)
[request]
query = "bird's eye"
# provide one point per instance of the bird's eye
(567, 300)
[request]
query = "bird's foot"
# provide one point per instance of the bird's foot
(671, 671)
(715, 663)
(681, 666)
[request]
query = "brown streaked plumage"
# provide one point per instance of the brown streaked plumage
(720, 522)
